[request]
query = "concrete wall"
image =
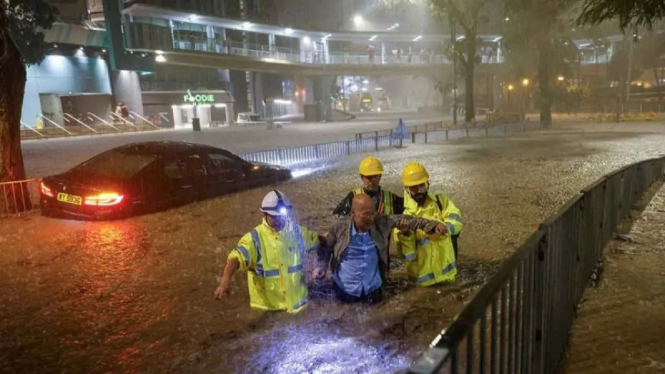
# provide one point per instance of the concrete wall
(59, 74)
(127, 88)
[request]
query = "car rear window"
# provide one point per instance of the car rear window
(116, 164)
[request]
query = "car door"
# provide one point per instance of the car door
(186, 174)
(227, 174)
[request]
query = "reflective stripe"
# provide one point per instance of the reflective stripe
(358, 191)
(425, 278)
(422, 242)
(449, 268)
(387, 203)
(456, 217)
(257, 245)
(266, 273)
(451, 228)
(271, 273)
(410, 256)
(245, 253)
(300, 303)
(295, 268)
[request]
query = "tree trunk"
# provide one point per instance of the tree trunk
(12, 85)
(544, 76)
(658, 85)
(470, 67)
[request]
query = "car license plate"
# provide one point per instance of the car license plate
(70, 199)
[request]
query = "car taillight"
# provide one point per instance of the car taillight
(45, 190)
(104, 199)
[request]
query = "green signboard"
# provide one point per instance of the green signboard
(199, 98)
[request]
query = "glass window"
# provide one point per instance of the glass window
(222, 163)
(191, 166)
(115, 164)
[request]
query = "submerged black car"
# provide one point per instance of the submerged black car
(147, 177)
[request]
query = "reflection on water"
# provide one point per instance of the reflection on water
(320, 350)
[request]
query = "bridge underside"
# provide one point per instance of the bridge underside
(274, 66)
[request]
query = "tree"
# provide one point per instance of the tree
(466, 14)
(649, 55)
(21, 44)
(630, 13)
(539, 26)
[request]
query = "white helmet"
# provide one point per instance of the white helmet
(275, 203)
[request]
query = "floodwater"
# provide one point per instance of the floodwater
(135, 296)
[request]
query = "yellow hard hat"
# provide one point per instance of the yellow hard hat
(370, 166)
(414, 174)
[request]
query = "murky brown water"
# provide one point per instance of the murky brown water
(135, 296)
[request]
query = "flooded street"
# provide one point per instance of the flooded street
(135, 296)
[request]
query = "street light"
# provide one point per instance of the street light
(525, 96)
(560, 78)
(358, 20)
(511, 87)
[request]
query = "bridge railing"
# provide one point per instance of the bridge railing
(281, 53)
(519, 322)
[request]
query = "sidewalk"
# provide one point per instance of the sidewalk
(621, 324)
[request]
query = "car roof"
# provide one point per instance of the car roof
(165, 148)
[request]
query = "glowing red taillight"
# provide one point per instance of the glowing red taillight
(104, 199)
(45, 190)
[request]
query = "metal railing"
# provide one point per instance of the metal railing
(25, 127)
(54, 124)
(314, 152)
(68, 117)
(309, 57)
(519, 322)
(145, 120)
(95, 126)
(375, 140)
(18, 197)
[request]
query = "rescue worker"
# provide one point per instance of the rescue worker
(430, 259)
(386, 202)
(272, 254)
(357, 250)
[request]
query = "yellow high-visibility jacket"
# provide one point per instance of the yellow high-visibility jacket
(274, 264)
(430, 259)
(385, 205)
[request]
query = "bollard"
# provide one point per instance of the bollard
(467, 132)
(487, 131)
(425, 137)
(391, 138)
(376, 141)
(413, 137)
(446, 134)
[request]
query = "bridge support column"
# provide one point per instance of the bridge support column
(322, 92)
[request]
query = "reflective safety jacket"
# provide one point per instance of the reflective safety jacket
(385, 203)
(388, 203)
(274, 264)
(430, 259)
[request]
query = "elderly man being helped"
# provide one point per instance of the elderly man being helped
(357, 250)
